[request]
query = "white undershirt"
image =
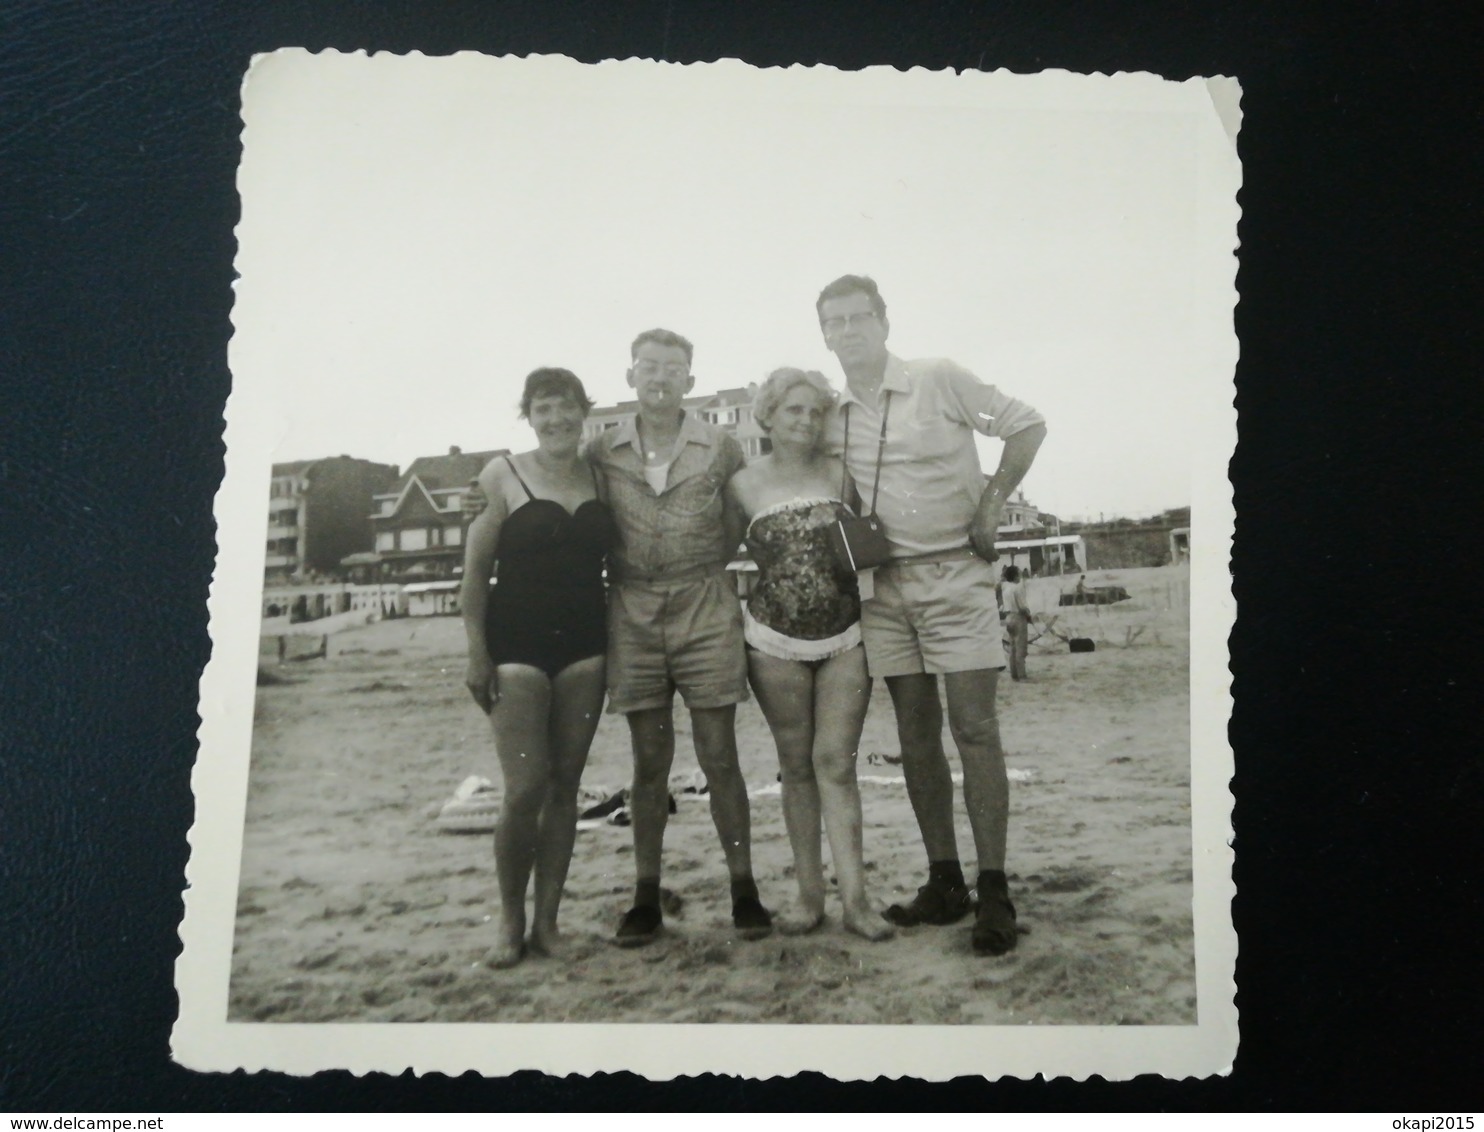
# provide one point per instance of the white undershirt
(658, 476)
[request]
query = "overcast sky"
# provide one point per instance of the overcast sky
(419, 234)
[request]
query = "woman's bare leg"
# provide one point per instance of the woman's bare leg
(519, 720)
(576, 707)
(785, 692)
(842, 692)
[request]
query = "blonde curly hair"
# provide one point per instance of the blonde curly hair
(778, 385)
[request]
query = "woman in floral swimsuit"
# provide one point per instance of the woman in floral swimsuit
(804, 652)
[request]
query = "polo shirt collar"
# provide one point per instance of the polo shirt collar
(692, 431)
(896, 378)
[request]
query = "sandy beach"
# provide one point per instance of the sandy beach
(355, 906)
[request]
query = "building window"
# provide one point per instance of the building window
(453, 536)
(415, 538)
(386, 540)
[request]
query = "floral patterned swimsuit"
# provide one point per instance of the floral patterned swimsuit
(804, 606)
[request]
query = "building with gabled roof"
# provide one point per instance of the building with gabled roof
(418, 523)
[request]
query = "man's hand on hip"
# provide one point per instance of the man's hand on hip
(985, 526)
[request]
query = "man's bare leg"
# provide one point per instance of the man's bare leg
(976, 730)
(975, 726)
(714, 731)
(652, 732)
(944, 899)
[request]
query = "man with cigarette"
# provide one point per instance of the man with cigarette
(675, 623)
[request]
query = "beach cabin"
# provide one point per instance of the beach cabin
(1179, 545)
(1055, 554)
(431, 599)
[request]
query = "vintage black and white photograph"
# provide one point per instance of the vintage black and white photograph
(721, 569)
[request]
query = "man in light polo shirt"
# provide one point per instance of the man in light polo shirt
(933, 611)
(674, 621)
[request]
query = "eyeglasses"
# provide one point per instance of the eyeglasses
(840, 323)
(647, 368)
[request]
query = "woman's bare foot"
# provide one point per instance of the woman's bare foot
(799, 920)
(510, 948)
(867, 924)
(546, 942)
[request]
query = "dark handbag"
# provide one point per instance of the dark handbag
(859, 542)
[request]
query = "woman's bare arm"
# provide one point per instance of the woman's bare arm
(481, 541)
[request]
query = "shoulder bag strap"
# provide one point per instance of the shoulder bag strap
(880, 451)
(844, 452)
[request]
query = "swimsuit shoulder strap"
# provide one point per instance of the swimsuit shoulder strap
(523, 485)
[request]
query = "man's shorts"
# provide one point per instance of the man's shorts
(933, 617)
(685, 635)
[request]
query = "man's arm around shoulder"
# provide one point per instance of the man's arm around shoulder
(593, 449)
(733, 525)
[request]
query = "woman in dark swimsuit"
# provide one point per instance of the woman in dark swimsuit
(537, 639)
(804, 653)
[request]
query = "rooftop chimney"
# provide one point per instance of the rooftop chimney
(455, 450)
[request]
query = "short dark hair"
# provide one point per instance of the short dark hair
(662, 337)
(853, 285)
(1011, 573)
(552, 381)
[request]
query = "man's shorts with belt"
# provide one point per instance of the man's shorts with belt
(934, 614)
(682, 632)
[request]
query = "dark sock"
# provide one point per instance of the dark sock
(992, 883)
(647, 893)
(744, 888)
(948, 873)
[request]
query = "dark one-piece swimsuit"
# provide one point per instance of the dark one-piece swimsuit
(547, 607)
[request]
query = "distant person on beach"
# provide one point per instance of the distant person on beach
(1017, 619)
(804, 651)
(537, 643)
(1081, 591)
(933, 609)
(674, 620)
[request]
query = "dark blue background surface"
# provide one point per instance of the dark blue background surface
(1357, 742)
